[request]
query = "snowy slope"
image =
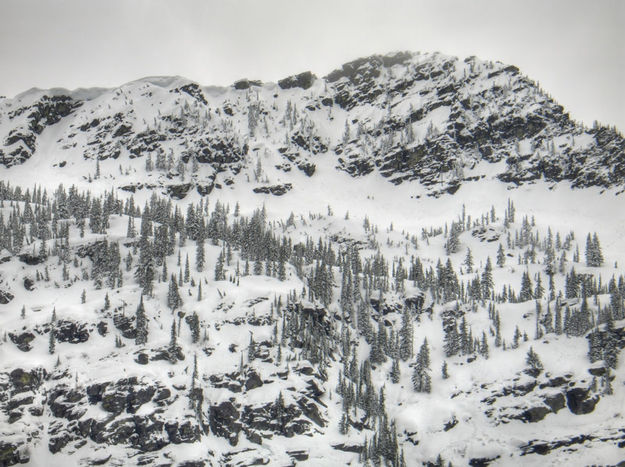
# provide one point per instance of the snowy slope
(354, 184)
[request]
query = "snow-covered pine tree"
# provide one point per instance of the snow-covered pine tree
(421, 379)
(173, 296)
(534, 365)
(141, 323)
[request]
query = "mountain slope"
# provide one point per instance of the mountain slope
(414, 260)
(423, 117)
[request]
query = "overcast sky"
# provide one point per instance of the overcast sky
(575, 49)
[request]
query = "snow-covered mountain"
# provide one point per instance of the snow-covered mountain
(425, 117)
(413, 260)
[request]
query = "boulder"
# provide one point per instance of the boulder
(579, 403)
(22, 340)
(5, 297)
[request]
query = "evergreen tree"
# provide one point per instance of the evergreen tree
(468, 261)
(595, 350)
(406, 336)
(539, 290)
(526, 288)
(453, 242)
(173, 343)
(451, 340)
(501, 257)
(141, 323)
(194, 324)
(173, 296)
(199, 254)
(597, 253)
(51, 341)
(535, 366)
(558, 320)
(146, 269)
(610, 343)
(444, 371)
(187, 270)
(484, 351)
(487, 279)
(219, 268)
(421, 379)
(590, 259)
(395, 371)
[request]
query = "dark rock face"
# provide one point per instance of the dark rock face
(5, 297)
(535, 414)
(482, 461)
(193, 90)
(556, 393)
(26, 381)
(253, 381)
(12, 454)
(179, 191)
(29, 284)
(243, 84)
(356, 448)
(555, 402)
(93, 250)
(224, 421)
(125, 325)
(22, 340)
(303, 80)
(44, 112)
(579, 402)
(121, 399)
(276, 190)
(31, 260)
(71, 332)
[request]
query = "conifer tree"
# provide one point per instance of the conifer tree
(539, 290)
(194, 324)
(468, 261)
(173, 343)
(199, 254)
(219, 268)
(187, 270)
(395, 371)
(141, 323)
(610, 343)
(484, 351)
(173, 296)
(487, 279)
(421, 379)
(451, 340)
(501, 257)
(534, 365)
(597, 253)
(453, 242)
(406, 336)
(526, 292)
(51, 341)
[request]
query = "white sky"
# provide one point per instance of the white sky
(574, 48)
